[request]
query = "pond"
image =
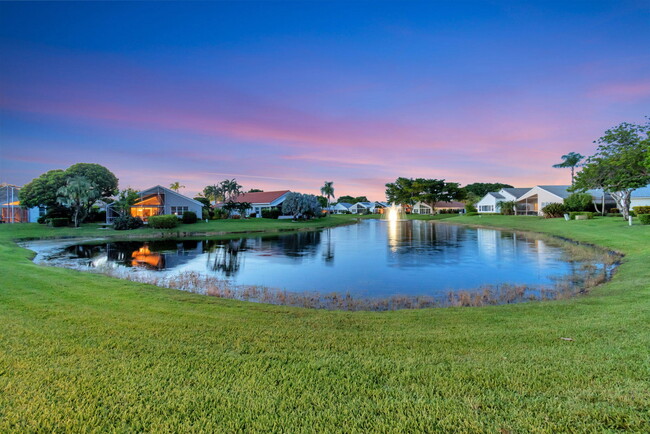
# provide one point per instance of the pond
(426, 262)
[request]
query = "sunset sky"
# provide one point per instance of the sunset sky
(288, 95)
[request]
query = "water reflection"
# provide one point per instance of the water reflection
(373, 258)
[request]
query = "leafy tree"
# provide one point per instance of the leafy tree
(103, 179)
(322, 201)
(572, 160)
(299, 205)
(579, 202)
(78, 194)
(401, 192)
(240, 207)
(480, 189)
(205, 201)
(352, 199)
(255, 190)
(618, 166)
(42, 191)
(327, 190)
(431, 191)
(176, 186)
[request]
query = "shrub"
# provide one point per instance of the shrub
(189, 217)
(272, 213)
(163, 221)
(471, 213)
(252, 215)
(554, 210)
(470, 208)
(205, 214)
(127, 222)
(58, 222)
(579, 202)
(236, 217)
(638, 210)
(614, 211)
(572, 215)
(41, 220)
(508, 207)
(644, 219)
(219, 213)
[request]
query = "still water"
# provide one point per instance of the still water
(370, 259)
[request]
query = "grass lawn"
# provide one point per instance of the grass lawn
(86, 352)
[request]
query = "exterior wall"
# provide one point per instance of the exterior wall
(421, 208)
(487, 205)
(639, 201)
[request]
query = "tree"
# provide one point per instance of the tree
(352, 199)
(507, 207)
(579, 202)
(240, 207)
(205, 201)
(103, 179)
(401, 192)
(327, 190)
(322, 200)
(213, 193)
(300, 205)
(230, 189)
(255, 190)
(618, 167)
(572, 160)
(480, 189)
(42, 191)
(78, 194)
(176, 186)
(431, 191)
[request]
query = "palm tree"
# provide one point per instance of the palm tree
(572, 160)
(327, 190)
(176, 186)
(213, 193)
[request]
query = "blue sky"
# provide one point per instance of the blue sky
(289, 94)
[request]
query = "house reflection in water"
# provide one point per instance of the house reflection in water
(143, 257)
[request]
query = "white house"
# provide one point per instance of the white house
(340, 208)
(423, 208)
(362, 208)
(532, 202)
(158, 200)
(640, 197)
(263, 200)
(490, 202)
(11, 211)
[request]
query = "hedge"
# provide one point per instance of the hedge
(58, 222)
(638, 210)
(189, 217)
(644, 219)
(127, 222)
(554, 210)
(573, 214)
(163, 221)
(470, 214)
(272, 213)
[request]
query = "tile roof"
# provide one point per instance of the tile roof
(261, 196)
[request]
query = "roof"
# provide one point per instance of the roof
(452, 204)
(517, 192)
(496, 195)
(558, 190)
(641, 192)
(144, 193)
(345, 204)
(261, 196)
(365, 204)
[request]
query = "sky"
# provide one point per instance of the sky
(287, 95)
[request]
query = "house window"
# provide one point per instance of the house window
(179, 210)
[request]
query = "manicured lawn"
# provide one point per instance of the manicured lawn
(86, 352)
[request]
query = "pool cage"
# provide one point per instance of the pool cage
(12, 212)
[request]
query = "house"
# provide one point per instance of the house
(532, 202)
(363, 208)
(340, 208)
(424, 208)
(11, 211)
(490, 202)
(380, 207)
(640, 197)
(158, 200)
(262, 200)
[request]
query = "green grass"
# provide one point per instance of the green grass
(81, 352)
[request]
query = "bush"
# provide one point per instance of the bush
(58, 222)
(572, 215)
(127, 222)
(579, 202)
(205, 214)
(163, 221)
(470, 208)
(41, 220)
(252, 215)
(471, 213)
(639, 210)
(189, 217)
(508, 207)
(272, 213)
(554, 210)
(644, 219)
(219, 213)
(614, 211)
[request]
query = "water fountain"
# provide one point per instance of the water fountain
(394, 213)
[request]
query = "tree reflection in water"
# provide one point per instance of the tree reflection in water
(225, 256)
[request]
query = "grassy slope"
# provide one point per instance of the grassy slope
(80, 350)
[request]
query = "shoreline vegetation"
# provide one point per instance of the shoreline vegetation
(84, 351)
